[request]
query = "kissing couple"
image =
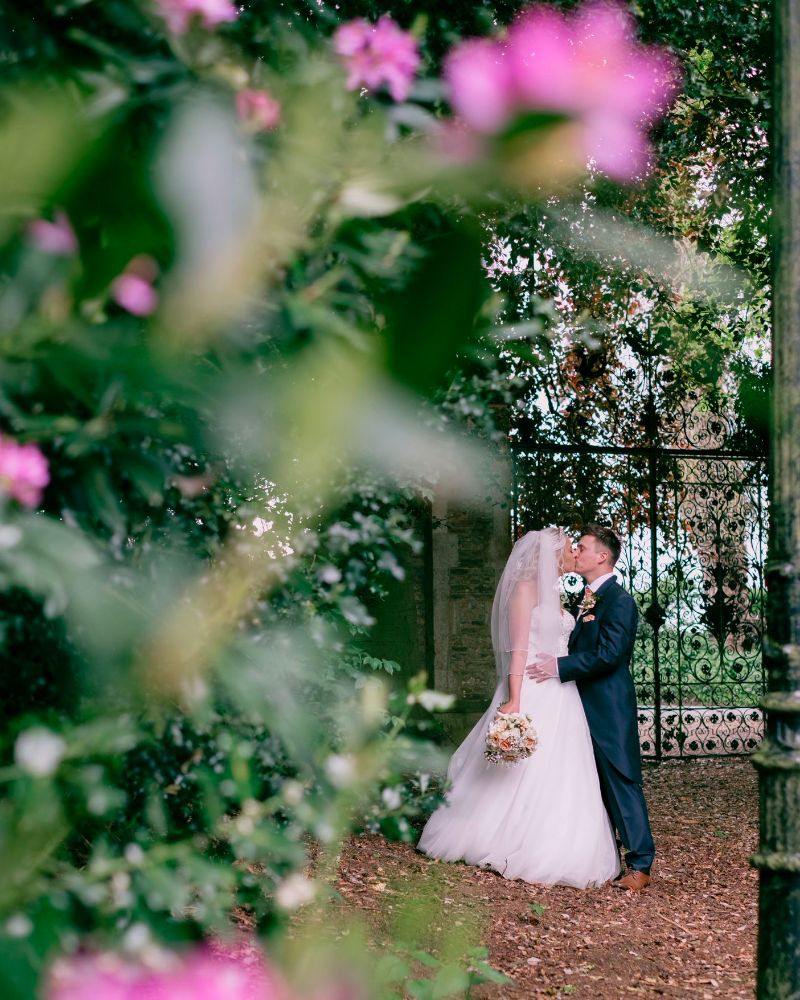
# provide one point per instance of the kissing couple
(551, 818)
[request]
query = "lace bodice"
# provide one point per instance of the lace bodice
(567, 625)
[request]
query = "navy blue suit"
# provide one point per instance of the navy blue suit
(599, 659)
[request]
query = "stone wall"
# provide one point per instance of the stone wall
(439, 618)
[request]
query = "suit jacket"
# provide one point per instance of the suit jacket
(599, 660)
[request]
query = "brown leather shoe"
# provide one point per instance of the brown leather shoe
(634, 881)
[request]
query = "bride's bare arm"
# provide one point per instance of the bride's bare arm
(521, 606)
(514, 688)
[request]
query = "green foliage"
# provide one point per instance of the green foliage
(190, 713)
(634, 319)
(435, 954)
(234, 478)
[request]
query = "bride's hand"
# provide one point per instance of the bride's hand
(508, 707)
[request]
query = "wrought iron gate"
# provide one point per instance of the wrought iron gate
(693, 522)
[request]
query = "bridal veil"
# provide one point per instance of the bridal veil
(526, 614)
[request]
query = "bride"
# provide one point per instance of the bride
(541, 819)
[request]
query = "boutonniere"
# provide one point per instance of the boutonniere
(588, 602)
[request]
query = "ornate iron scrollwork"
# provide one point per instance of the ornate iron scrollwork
(690, 503)
(655, 615)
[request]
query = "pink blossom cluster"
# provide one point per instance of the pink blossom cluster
(377, 55)
(133, 289)
(24, 472)
(179, 13)
(200, 975)
(258, 110)
(56, 237)
(587, 66)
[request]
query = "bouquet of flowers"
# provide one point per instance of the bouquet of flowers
(510, 738)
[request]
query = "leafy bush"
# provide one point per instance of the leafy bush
(235, 288)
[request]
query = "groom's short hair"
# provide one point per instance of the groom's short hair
(607, 537)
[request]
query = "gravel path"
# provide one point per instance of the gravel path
(692, 934)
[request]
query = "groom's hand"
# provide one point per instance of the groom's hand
(542, 668)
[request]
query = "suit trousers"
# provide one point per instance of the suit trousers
(626, 806)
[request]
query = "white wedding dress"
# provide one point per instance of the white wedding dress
(541, 820)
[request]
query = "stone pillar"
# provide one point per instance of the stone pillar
(469, 549)
(438, 619)
(778, 760)
(403, 631)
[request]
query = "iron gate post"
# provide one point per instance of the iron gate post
(655, 608)
(778, 761)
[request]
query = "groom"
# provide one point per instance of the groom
(599, 657)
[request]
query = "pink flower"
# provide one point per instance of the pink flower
(587, 66)
(258, 110)
(480, 86)
(24, 472)
(133, 289)
(55, 237)
(199, 975)
(612, 69)
(350, 38)
(378, 55)
(541, 55)
(179, 13)
(134, 294)
(618, 147)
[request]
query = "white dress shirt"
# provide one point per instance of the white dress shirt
(595, 585)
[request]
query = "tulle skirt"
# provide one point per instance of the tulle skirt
(541, 820)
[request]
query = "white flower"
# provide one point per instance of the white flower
(435, 701)
(18, 926)
(120, 886)
(245, 825)
(330, 574)
(98, 802)
(355, 612)
(391, 798)
(136, 938)
(292, 792)
(359, 199)
(134, 855)
(424, 781)
(194, 689)
(325, 832)
(341, 769)
(10, 535)
(388, 561)
(38, 751)
(294, 891)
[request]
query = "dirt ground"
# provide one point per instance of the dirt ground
(691, 934)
